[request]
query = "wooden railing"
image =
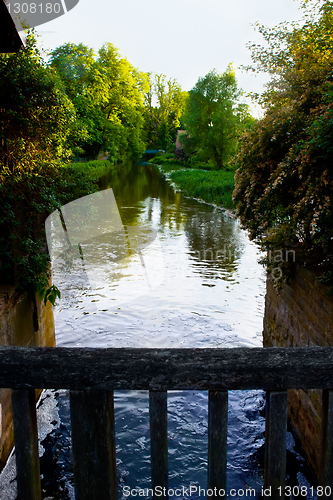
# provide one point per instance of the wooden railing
(92, 375)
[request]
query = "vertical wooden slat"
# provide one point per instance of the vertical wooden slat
(217, 441)
(94, 448)
(275, 443)
(158, 413)
(26, 444)
(326, 465)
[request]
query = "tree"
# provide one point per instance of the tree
(36, 115)
(163, 119)
(108, 95)
(211, 118)
(36, 120)
(121, 89)
(284, 186)
(73, 64)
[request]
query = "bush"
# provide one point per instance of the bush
(284, 185)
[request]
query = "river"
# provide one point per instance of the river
(179, 273)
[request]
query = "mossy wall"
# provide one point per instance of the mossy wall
(24, 321)
(301, 315)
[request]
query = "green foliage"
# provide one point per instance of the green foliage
(94, 170)
(73, 63)
(50, 294)
(108, 95)
(166, 160)
(284, 185)
(36, 115)
(212, 187)
(162, 119)
(35, 121)
(212, 119)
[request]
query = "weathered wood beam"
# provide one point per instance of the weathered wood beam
(94, 448)
(217, 442)
(167, 369)
(275, 443)
(26, 444)
(158, 415)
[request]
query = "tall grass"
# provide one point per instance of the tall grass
(212, 186)
(94, 169)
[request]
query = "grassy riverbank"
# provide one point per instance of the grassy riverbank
(212, 186)
(81, 178)
(93, 169)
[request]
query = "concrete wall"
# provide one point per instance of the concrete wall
(300, 315)
(24, 321)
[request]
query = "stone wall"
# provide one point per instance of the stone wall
(300, 315)
(24, 321)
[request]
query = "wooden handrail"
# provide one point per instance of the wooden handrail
(271, 369)
(92, 374)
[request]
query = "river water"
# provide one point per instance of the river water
(178, 273)
(196, 282)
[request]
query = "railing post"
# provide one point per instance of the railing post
(217, 442)
(326, 463)
(275, 444)
(158, 413)
(26, 444)
(94, 449)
